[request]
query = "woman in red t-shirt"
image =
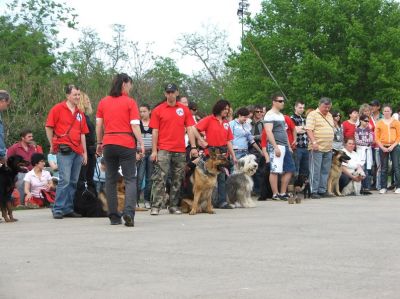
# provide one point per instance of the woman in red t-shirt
(117, 128)
(349, 126)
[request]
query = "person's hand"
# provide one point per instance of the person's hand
(153, 156)
(315, 147)
(277, 151)
(28, 196)
(203, 143)
(194, 153)
(99, 150)
(356, 178)
(235, 161)
(139, 156)
(51, 150)
(390, 148)
(291, 149)
(84, 161)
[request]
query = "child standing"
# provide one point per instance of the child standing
(364, 138)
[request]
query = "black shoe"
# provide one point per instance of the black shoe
(115, 220)
(128, 220)
(365, 192)
(73, 215)
(58, 216)
(315, 196)
(325, 195)
(283, 196)
(262, 198)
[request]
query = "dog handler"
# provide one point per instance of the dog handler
(117, 128)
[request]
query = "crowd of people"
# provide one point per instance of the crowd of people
(152, 146)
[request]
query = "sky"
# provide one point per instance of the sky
(158, 21)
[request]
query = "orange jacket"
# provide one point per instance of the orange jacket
(387, 134)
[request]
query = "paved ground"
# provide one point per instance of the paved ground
(330, 248)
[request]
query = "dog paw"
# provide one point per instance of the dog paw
(193, 212)
(210, 212)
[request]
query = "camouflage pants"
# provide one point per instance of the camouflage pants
(168, 163)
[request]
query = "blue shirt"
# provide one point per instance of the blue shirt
(2, 142)
(242, 136)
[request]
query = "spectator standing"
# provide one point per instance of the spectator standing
(364, 138)
(349, 126)
(279, 149)
(320, 131)
(376, 115)
(219, 136)
(4, 103)
(117, 128)
(387, 137)
(144, 163)
(65, 129)
(169, 121)
(301, 153)
(338, 139)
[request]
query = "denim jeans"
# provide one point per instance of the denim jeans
(378, 167)
(69, 167)
(220, 199)
(116, 156)
(320, 165)
(394, 155)
(145, 169)
(302, 161)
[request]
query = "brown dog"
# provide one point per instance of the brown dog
(204, 179)
(120, 197)
(336, 170)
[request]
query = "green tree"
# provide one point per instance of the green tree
(348, 50)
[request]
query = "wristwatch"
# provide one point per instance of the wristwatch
(314, 142)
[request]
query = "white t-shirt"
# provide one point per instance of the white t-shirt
(37, 183)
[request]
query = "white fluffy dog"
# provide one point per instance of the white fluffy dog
(353, 187)
(240, 183)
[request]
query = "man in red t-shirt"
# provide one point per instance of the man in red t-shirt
(65, 129)
(169, 121)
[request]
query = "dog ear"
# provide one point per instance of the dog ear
(241, 163)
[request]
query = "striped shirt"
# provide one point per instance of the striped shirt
(146, 136)
(322, 127)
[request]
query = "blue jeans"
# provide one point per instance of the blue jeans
(378, 167)
(302, 161)
(69, 167)
(394, 155)
(220, 200)
(145, 169)
(320, 165)
(116, 156)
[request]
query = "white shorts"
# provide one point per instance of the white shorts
(276, 162)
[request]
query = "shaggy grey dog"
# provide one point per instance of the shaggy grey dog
(240, 183)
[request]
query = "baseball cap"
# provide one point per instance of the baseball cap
(375, 103)
(171, 87)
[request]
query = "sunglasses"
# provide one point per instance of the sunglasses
(280, 101)
(366, 120)
(193, 109)
(257, 111)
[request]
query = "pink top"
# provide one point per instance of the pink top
(37, 183)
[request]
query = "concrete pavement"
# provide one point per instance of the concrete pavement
(328, 248)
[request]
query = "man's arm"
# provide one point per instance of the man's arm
(138, 134)
(268, 128)
(192, 140)
(99, 134)
(310, 134)
(154, 140)
(83, 142)
(50, 135)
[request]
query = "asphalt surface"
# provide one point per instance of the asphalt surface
(329, 248)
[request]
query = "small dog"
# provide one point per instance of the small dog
(88, 204)
(240, 183)
(204, 179)
(302, 185)
(336, 170)
(8, 174)
(353, 187)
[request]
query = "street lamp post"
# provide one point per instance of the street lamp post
(241, 13)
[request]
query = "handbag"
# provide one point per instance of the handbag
(65, 149)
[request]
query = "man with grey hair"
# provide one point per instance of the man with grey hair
(4, 103)
(320, 131)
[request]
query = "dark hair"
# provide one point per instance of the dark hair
(351, 110)
(116, 86)
(363, 117)
(276, 95)
(145, 105)
(36, 158)
(250, 108)
(298, 102)
(4, 96)
(68, 88)
(219, 106)
(243, 111)
(192, 106)
(258, 107)
(25, 132)
(334, 114)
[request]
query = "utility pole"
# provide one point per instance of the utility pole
(242, 12)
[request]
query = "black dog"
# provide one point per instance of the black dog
(302, 184)
(8, 174)
(87, 203)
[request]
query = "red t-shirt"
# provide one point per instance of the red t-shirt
(217, 133)
(118, 115)
(60, 119)
(290, 126)
(171, 122)
(349, 130)
(264, 140)
(18, 149)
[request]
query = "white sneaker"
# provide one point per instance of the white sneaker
(383, 191)
(397, 191)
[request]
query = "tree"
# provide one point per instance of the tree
(348, 50)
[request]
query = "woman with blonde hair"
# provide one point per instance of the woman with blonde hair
(87, 171)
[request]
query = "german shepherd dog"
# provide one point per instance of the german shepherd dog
(204, 179)
(8, 174)
(336, 170)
